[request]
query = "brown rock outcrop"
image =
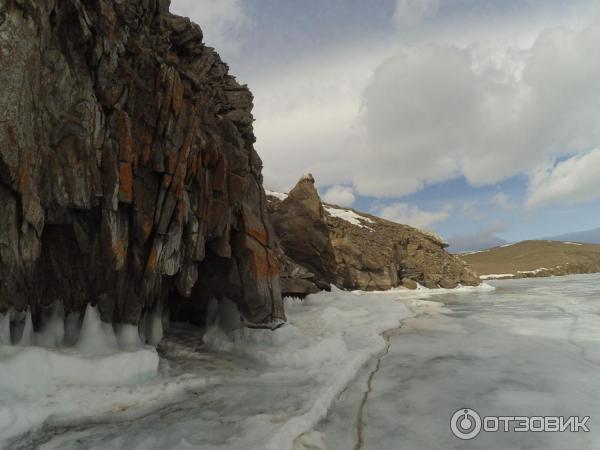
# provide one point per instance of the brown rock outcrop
(300, 224)
(128, 176)
(369, 253)
(376, 254)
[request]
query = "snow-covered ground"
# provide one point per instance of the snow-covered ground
(234, 389)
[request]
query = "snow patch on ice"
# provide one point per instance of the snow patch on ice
(496, 276)
(36, 370)
(534, 271)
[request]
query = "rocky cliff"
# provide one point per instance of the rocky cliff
(370, 253)
(128, 176)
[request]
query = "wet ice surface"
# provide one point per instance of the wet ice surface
(529, 348)
(241, 389)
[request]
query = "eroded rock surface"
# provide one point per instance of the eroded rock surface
(128, 176)
(300, 224)
(369, 253)
(378, 254)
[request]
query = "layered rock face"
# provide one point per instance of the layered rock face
(300, 224)
(376, 254)
(369, 253)
(128, 177)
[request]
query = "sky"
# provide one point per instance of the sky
(477, 119)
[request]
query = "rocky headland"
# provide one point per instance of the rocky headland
(368, 252)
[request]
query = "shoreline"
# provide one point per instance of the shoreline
(545, 273)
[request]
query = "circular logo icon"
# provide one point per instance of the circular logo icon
(465, 424)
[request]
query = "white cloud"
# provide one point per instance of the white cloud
(307, 115)
(574, 180)
(223, 22)
(503, 200)
(411, 214)
(410, 13)
(351, 115)
(339, 195)
(434, 112)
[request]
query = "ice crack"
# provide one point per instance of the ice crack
(365, 397)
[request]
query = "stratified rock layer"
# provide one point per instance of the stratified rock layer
(128, 176)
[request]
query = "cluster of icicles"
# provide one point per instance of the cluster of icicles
(89, 334)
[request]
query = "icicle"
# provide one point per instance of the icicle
(212, 312)
(53, 331)
(72, 328)
(96, 337)
(151, 326)
(142, 327)
(156, 330)
(129, 337)
(5, 329)
(27, 338)
(230, 317)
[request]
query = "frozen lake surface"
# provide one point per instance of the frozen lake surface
(528, 348)
(330, 380)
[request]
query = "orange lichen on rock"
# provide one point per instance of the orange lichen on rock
(125, 182)
(124, 137)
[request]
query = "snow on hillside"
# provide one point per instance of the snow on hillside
(235, 389)
(279, 195)
(349, 216)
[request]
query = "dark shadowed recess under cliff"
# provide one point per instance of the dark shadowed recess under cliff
(128, 177)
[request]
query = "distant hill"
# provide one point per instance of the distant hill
(535, 259)
(460, 243)
(588, 236)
